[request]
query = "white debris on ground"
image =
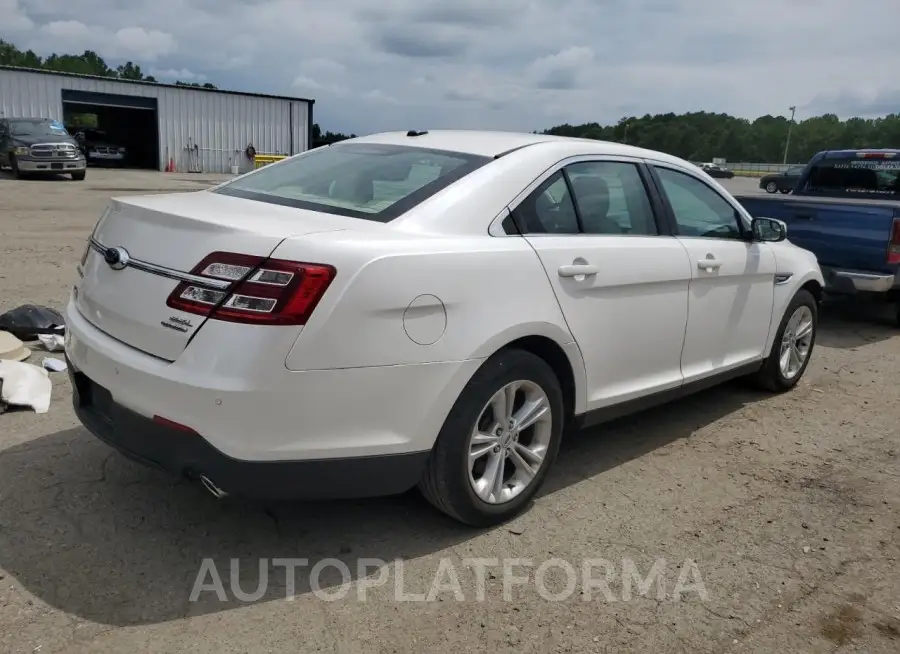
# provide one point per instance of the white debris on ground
(25, 385)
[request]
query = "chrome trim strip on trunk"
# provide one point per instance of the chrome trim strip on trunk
(162, 271)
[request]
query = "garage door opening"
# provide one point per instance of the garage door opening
(120, 131)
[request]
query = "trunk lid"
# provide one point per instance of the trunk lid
(174, 233)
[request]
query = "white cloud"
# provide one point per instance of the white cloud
(14, 18)
(171, 74)
(513, 64)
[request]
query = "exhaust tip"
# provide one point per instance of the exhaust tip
(217, 492)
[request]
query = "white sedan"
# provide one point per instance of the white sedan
(428, 309)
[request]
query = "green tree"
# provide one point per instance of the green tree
(701, 136)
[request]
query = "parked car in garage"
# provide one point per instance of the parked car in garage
(39, 146)
(845, 209)
(716, 171)
(426, 309)
(783, 181)
(98, 148)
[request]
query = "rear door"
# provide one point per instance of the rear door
(621, 285)
(732, 280)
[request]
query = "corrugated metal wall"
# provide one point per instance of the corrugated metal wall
(220, 124)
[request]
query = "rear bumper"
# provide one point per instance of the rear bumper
(855, 281)
(318, 433)
(27, 165)
(185, 453)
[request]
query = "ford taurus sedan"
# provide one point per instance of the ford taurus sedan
(430, 309)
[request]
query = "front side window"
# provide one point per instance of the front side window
(698, 209)
(361, 180)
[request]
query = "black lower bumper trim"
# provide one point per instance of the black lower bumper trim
(187, 454)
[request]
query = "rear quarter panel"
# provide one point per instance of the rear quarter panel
(399, 300)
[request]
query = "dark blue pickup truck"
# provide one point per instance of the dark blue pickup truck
(845, 209)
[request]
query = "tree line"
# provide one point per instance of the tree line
(696, 136)
(702, 136)
(87, 63)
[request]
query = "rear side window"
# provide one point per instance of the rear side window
(361, 180)
(611, 198)
(867, 177)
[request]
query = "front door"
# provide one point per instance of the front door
(732, 279)
(622, 287)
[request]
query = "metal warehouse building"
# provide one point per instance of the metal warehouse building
(201, 130)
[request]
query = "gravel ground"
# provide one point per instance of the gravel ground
(788, 507)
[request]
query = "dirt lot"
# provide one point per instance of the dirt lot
(789, 506)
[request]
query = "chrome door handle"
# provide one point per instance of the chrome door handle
(578, 270)
(709, 265)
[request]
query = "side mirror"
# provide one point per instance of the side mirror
(768, 230)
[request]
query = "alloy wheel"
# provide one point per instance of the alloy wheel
(509, 441)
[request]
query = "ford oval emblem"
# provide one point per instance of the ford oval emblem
(116, 258)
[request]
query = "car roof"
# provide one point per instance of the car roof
(495, 144)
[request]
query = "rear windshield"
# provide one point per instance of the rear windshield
(361, 180)
(867, 177)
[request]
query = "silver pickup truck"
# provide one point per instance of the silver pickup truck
(39, 146)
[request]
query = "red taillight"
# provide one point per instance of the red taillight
(274, 292)
(893, 255)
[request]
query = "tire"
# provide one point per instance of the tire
(771, 187)
(14, 165)
(785, 190)
(771, 376)
(449, 481)
(79, 176)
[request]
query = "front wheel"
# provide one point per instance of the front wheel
(793, 346)
(14, 165)
(498, 442)
(771, 187)
(79, 176)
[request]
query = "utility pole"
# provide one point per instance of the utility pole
(787, 143)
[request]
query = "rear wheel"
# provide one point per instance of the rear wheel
(771, 187)
(498, 442)
(793, 346)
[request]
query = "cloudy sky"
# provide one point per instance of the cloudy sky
(508, 64)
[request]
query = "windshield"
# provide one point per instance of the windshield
(361, 180)
(36, 127)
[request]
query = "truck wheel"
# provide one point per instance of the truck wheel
(771, 187)
(785, 190)
(498, 441)
(14, 165)
(79, 176)
(793, 345)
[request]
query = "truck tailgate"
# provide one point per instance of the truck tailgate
(843, 233)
